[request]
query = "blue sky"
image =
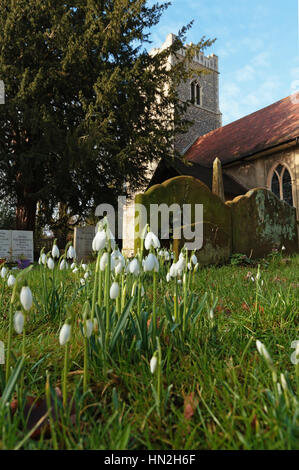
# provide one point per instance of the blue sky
(257, 44)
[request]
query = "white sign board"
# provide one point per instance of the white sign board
(83, 241)
(16, 244)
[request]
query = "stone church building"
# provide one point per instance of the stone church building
(259, 150)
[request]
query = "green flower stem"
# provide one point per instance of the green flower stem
(48, 401)
(95, 287)
(10, 329)
(65, 372)
(154, 305)
(107, 291)
(85, 372)
(159, 376)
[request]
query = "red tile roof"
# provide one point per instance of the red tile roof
(270, 126)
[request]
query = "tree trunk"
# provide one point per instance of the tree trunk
(25, 214)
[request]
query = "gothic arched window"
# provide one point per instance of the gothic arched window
(195, 93)
(281, 184)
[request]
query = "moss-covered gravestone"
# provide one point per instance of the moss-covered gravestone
(261, 222)
(182, 191)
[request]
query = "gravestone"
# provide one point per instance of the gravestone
(216, 224)
(16, 244)
(83, 238)
(261, 222)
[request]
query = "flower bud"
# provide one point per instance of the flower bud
(19, 321)
(65, 334)
(26, 298)
(114, 290)
(11, 280)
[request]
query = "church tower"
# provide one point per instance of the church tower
(202, 92)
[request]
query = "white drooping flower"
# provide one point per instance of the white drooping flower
(19, 321)
(166, 256)
(151, 240)
(65, 334)
(11, 280)
(99, 241)
(88, 328)
(86, 275)
(51, 264)
(84, 266)
(82, 281)
(26, 297)
(55, 251)
(75, 270)
(173, 270)
(73, 265)
(189, 266)
(283, 248)
(264, 353)
(180, 266)
(153, 364)
(150, 263)
(194, 259)
(62, 265)
(118, 267)
(168, 277)
(211, 314)
(3, 272)
(43, 258)
(71, 254)
(134, 267)
(103, 261)
(114, 290)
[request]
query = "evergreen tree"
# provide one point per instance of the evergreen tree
(86, 109)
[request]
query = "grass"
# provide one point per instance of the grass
(217, 392)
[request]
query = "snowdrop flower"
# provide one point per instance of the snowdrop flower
(194, 259)
(75, 270)
(114, 290)
(168, 277)
(189, 266)
(55, 251)
(82, 281)
(180, 265)
(26, 298)
(86, 275)
(264, 353)
(84, 266)
(134, 267)
(65, 334)
(118, 268)
(211, 314)
(150, 263)
(283, 248)
(151, 240)
(71, 254)
(166, 256)
(3, 272)
(43, 258)
(103, 261)
(62, 265)
(153, 364)
(73, 265)
(88, 328)
(11, 280)
(173, 270)
(99, 241)
(19, 321)
(51, 263)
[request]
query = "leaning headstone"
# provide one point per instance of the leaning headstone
(261, 222)
(216, 223)
(218, 187)
(83, 237)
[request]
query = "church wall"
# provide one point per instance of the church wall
(258, 173)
